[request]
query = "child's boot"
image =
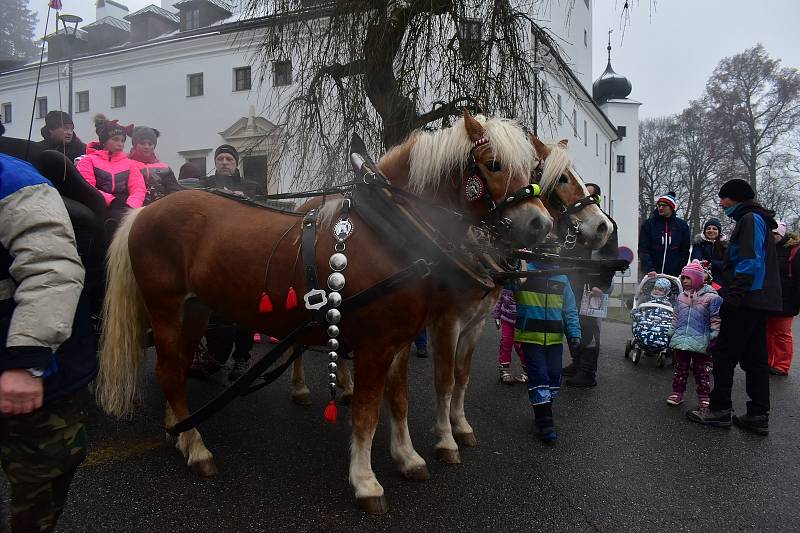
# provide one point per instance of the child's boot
(523, 376)
(543, 421)
(506, 377)
(676, 398)
(703, 401)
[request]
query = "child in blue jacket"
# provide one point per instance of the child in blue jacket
(546, 310)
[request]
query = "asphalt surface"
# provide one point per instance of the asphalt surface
(624, 461)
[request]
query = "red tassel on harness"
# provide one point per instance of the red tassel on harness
(331, 412)
(265, 305)
(291, 299)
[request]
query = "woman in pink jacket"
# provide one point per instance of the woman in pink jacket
(107, 167)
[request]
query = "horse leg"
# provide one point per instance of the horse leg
(176, 340)
(371, 370)
(345, 381)
(443, 339)
(410, 463)
(300, 393)
(462, 431)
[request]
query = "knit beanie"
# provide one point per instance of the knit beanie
(227, 149)
(713, 222)
(781, 229)
(108, 128)
(695, 272)
(662, 286)
(57, 119)
(737, 189)
(669, 198)
(143, 133)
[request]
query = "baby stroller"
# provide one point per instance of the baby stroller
(652, 312)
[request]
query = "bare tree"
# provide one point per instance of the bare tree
(385, 67)
(754, 103)
(658, 157)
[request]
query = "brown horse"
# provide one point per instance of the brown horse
(455, 327)
(172, 262)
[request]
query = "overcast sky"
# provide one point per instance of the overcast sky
(669, 47)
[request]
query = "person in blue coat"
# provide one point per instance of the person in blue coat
(664, 239)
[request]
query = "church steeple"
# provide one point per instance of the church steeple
(610, 85)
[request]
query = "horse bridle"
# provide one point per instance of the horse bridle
(565, 211)
(476, 188)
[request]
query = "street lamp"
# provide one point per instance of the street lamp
(70, 32)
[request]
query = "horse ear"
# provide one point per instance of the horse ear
(542, 151)
(563, 143)
(474, 128)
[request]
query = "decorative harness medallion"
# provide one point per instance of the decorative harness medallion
(343, 229)
(474, 188)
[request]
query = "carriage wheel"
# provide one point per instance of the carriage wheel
(628, 348)
(636, 356)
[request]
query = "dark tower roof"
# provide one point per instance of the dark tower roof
(610, 85)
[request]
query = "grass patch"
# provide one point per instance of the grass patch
(619, 314)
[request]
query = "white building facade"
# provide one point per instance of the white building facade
(194, 83)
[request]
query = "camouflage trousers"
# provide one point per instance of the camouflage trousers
(40, 452)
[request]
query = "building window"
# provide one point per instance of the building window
(41, 107)
(622, 131)
(560, 111)
(190, 18)
(198, 163)
(7, 113)
(241, 79)
(586, 38)
(470, 39)
(585, 134)
(596, 145)
(194, 84)
(574, 122)
(118, 96)
(620, 163)
(83, 101)
(281, 73)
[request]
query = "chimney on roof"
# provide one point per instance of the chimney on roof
(110, 8)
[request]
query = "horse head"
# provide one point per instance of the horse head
(482, 167)
(564, 194)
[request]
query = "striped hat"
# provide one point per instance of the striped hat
(695, 272)
(669, 198)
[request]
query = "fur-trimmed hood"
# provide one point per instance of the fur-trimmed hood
(700, 238)
(792, 239)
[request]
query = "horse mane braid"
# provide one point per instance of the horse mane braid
(435, 156)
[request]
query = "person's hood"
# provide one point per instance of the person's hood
(791, 239)
(701, 238)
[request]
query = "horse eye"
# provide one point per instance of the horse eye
(494, 166)
(563, 180)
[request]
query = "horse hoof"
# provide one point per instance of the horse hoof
(449, 457)
(373, 505)
(304, 398)
(204, 468)
(346, 399)
(466, 439)
(417, 473)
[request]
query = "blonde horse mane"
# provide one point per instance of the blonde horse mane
(556, 163)
(436, 155)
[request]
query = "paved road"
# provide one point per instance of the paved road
(625, 461)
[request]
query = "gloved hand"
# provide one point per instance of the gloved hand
(574, 343)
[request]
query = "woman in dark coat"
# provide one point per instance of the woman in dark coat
(780, 343)
(710, 246)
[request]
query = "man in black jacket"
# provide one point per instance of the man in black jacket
(750, 292)
(664, 239)
(58, 133)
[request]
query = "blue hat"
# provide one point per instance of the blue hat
(662, 285)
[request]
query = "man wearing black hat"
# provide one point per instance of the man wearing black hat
(751, 291)
(226, 173)
(58, 133)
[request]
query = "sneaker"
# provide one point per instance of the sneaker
(675, 399)
(506, 378)
(237, 370)
(422, 351)
(777, 371)
(582, 380)
(703, 401)
(758, 424)
(710, 417)
(570, 370)
(523, 376)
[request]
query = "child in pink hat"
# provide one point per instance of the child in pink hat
(695, 326)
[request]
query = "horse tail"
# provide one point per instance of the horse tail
(124, 327)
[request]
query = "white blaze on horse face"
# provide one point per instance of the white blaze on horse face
(529, 224)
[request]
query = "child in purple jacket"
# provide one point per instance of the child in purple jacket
(505, 316)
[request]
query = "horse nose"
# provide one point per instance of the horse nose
(602, 228)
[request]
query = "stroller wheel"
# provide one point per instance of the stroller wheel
(636, 356)
(628, 348)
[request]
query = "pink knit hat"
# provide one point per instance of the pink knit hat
(781, 229)
(694, 271)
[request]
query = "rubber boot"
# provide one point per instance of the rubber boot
(543, 422)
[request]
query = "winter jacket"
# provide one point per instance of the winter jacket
(158, 178)
(750, 270)
(789, 273)
(505, 309)
(696, 319)
(664, 245)
(711, 251)
(218, 181)
(115, 175)
(72, 149)
(545, 309)
(41, 279)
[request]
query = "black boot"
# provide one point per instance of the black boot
(571, 369)
(582, 379)
(543, 422)
(758, 424)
